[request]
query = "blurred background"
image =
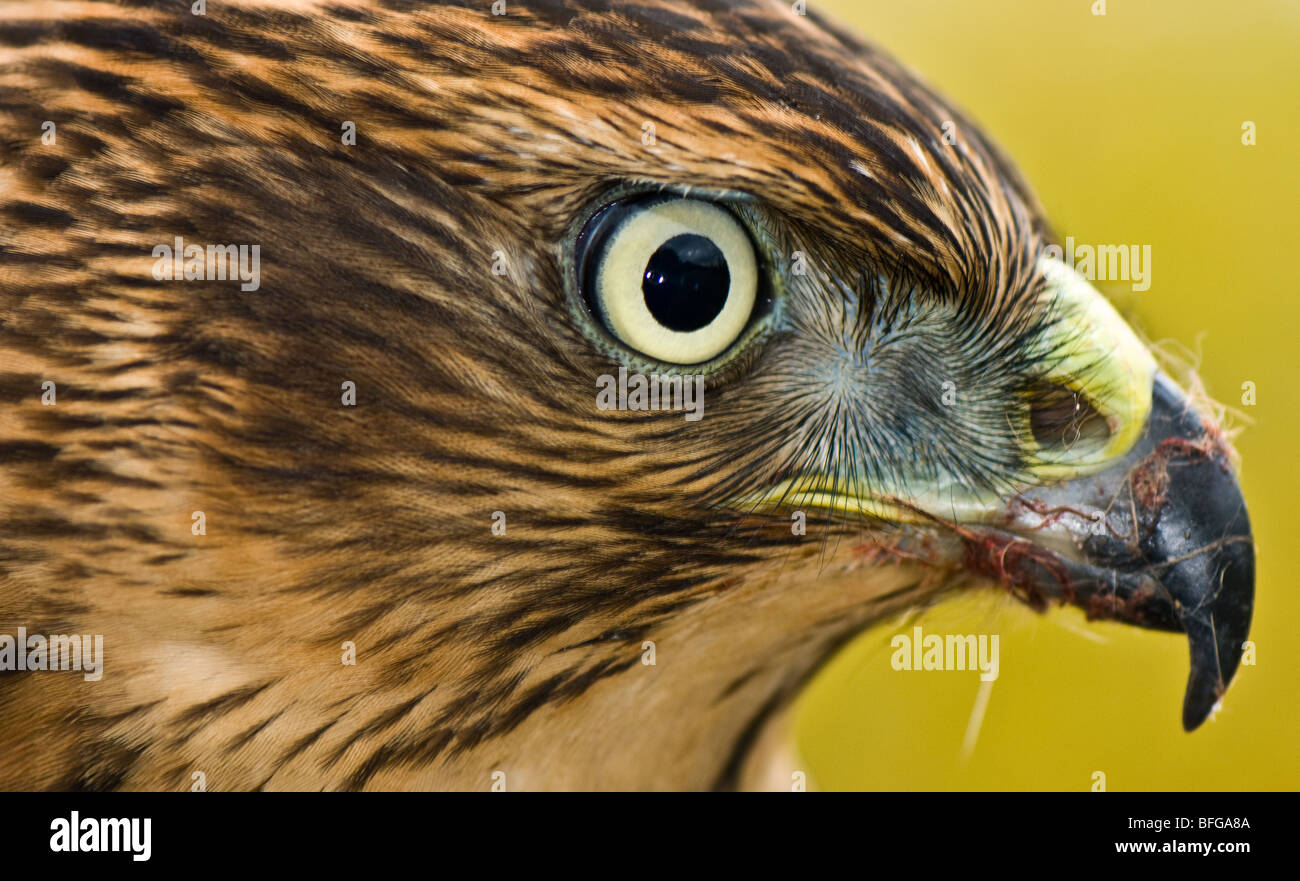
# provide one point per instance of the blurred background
(1129, 127)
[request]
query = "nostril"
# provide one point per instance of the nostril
(1062, 418)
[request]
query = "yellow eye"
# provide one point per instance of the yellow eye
(675, 279)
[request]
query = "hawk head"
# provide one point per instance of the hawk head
(600, 368)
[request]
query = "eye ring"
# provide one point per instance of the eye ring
(675, 279)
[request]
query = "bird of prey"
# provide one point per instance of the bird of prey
(325, 329)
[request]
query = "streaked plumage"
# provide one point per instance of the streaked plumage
(481, 140)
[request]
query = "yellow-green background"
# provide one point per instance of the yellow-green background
(1129, 128)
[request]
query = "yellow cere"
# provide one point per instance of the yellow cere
(1098, 356)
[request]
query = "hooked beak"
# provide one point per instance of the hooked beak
(1160, 539)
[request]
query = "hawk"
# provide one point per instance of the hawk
(458, 395)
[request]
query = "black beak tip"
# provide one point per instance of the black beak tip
(1201, 547)
(1179, 552)
(1217, 630)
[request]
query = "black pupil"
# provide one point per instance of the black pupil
(686, 282)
